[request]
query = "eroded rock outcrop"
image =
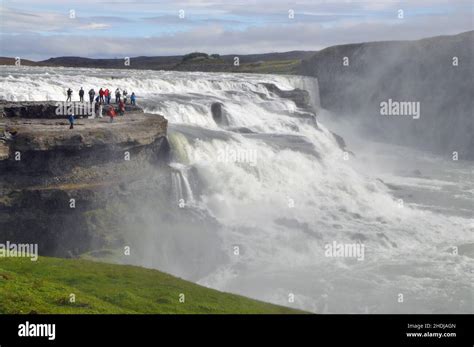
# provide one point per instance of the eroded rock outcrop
(306, 110)
(300, 97)
(48, 109)
(73, 190)
(218, 114)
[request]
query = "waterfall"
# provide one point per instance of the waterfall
(180, 184)
(280, 189)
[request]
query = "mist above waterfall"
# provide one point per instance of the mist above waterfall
(356, 79)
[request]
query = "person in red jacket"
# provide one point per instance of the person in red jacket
(121, 108)
(107, 96)
(101, 95)
(111, 113)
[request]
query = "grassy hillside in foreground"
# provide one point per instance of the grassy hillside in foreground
(45, 286)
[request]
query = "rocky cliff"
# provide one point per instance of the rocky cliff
(73, 190)
(436, 72)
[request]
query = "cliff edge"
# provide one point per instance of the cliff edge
(65, 189)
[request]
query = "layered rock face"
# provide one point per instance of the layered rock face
(73, 190)
(49, 109)
(299, 96)
(302, 100)
(355, 79)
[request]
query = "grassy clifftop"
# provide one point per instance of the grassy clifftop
(45, 286)
(286, 66)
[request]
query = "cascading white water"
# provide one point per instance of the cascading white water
(180, 182)
(281, 192)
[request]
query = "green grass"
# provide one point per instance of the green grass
(45, 286)
(271, 67)
(287, 67)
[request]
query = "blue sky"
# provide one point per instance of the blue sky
(41, 29)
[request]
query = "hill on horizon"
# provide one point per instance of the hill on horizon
(290, 62)
(204, 62)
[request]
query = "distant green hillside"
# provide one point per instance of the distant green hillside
(281, 63)
(274, 66)
(45, 286)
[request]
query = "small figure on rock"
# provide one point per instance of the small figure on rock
(117, 96)
(111, 113)
(132, 99)
(91, 95)
(69, 95)
(81, 95)
(100, 110)
(125, 93)
(97, 110)
(71, 121)
(121, 108)
(101, 95)
(107, 96)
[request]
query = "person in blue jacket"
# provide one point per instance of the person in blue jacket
(71, 121)
(132, 99)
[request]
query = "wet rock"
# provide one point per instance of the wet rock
(340, 141)
(242, 130)
(299, 96)
(218, 114)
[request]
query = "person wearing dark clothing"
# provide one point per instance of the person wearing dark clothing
(69, 95)
(121, 108)
(117, 96)
(101, 95)
(71, 121)
(97, 110)
(125, 93)
(91, 95)
(81, 95)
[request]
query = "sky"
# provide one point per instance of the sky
(40, 29)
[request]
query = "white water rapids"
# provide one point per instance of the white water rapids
(280, 192)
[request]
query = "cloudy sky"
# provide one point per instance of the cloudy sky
(126, 28)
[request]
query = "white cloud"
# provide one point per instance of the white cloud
(95, 26)
(22, 30)
(16, 21)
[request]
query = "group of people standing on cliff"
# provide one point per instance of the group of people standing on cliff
(104, 96)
